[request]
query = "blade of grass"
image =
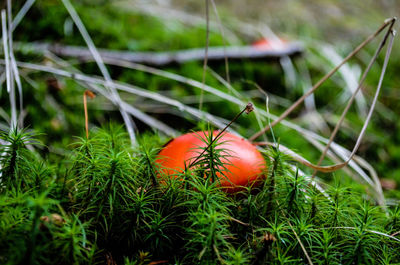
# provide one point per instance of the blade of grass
(9, 82)
(358, 142)
(110, 85)
(176, 77)
(353, 97)
(387, 56)
(304, 132)
(348, 75)
(358, 174)
(366, 230)
(221, 29)
(297, 237)
(14, 68)
(201, 115)
(153, 123)
(361, 174)
(140, 115)
(323, 79)
(21, 14)
(231, 89)
(205, 53)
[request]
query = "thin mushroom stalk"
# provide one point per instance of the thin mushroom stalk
(91, 95)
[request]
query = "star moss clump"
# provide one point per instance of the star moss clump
(109, 202)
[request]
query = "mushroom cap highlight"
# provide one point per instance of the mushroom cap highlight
(244, 163)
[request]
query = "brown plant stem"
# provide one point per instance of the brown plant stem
(297, 237)
(91, 95)
(349, 103)
(249, 108)
(323, 79)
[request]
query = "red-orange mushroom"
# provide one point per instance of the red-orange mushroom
(244, 163)
(270, 44)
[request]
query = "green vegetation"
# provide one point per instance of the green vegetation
(69, 199)
(106, 207)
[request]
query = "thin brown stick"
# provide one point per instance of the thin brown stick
(395, 234)
(238, 221)
(336, 167)
(323, 79)
(86, 115)
(91, 95)
(297, 237)
(301, 243)
(350, 102)
(300, 159)
(249, 107)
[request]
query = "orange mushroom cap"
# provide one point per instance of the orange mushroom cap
(270, 44)
(244, 163)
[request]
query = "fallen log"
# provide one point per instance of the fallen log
(168, 57)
